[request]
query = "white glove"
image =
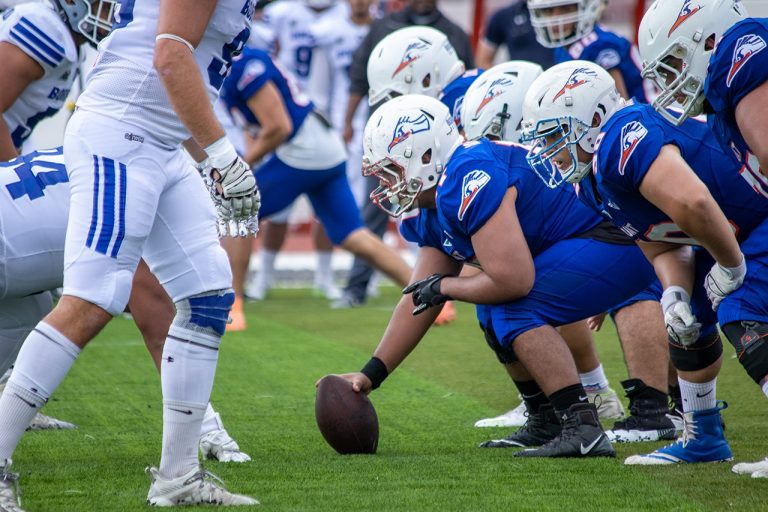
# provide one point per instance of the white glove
(721, 281)
(226, 168)
(679, 319)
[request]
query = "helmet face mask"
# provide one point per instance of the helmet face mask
(407, 143)
(90, 18)
(548, 139)
(676, 40)
(562, 22)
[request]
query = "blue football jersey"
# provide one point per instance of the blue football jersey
(471, 190)
(610, 51)
(250, 72)
(630, 142)
(453, 94)
(738, 66)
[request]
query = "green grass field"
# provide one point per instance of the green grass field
(427, 458)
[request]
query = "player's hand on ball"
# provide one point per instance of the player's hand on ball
(721, 281)
(679, 319)
(360, 383)
(426, 293)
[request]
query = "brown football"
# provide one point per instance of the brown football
(346, 419)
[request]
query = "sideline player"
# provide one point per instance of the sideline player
(309, 158)
(478, 203)
(133, 194)
(665, 185)
(710, 58)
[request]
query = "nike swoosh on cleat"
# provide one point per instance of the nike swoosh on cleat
(705, 394)
(31, 404)
(187, 412)
(586, 449)
(582, 398)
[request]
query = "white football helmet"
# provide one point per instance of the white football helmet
(319, 4)
(676, 40)
(91, 18)
(555, 30)
(493, 104)
(565, 108)
(412, 60)
(407, 144)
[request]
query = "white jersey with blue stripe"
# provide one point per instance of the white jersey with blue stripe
(34, 207)
(38, 31)
(124, 84)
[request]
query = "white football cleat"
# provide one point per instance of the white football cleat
(43, 422)
(327, 289)
(608, 404)
(198, 487)
(756, 469)
(9, 489)
(514, 418)
(217, 444)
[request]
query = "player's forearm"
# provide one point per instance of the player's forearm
(186, 91)
(703, 220)
(483, 289)
(403, 333)
(674, 264)
(263, 145)
(352, 103)
(8, 150)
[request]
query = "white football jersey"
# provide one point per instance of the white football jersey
(262, 37)
(34, 207)
(124, 85)
(291, 20)
(340, 39)
(38, 31)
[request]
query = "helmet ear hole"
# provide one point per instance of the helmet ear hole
(427, 80)
(709, 44)
(426, 157)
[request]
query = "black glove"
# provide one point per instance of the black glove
(426, 293)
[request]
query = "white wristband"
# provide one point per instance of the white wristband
(673, 294)
(174, 37)
(738, 272)
(220, 154)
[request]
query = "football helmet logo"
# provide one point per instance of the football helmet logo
(631, 135)
(412, 52)
(746, 48)
(472, 183)
(406, 127)
(494, 90)
(686, 11)
(580, 76)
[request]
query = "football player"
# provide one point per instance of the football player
(309, 158)
(546, 260)
(133, 195)
(570, 26)
(493, 109)
(670, 187)
(708, 57)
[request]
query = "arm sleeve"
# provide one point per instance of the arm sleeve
(494, 32)
(37, 35)
(472, 197)
(255, 74)
(627, 157)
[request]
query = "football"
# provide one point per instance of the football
(346, 419)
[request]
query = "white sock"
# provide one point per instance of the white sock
(43, 362)
(324, 270)
(266, 268)
(187, 374)
(210, 421)
(765, 388)
(698, 396)
(594, 381)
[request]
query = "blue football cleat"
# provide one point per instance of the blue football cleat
(702, 440)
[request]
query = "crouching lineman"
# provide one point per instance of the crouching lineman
(309, 158)
(493, 109)
(34, 207)
(670, 187)
(479, 203)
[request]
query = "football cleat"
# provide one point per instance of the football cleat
(756, 469)
(198, 487)
(10, 493)
(648, 418)
(702, 440)
(582, 436)
(447, 314)
(327, 289)
(513, 418)
(540, 428)
(608, 404)
(347, 301)
(43, 422)
(217, 444)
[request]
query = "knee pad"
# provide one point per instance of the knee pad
(203, 318)
(698, 356)
(749, 340)
(504, 355)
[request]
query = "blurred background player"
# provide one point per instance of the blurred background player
(509, 30)
(308, 158)
(416, 12)
(570, 26)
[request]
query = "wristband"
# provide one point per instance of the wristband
(376, 371)
(737, 272)
(220, 154)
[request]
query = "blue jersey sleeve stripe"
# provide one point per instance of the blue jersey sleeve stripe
(42, 35)
(34, 45)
